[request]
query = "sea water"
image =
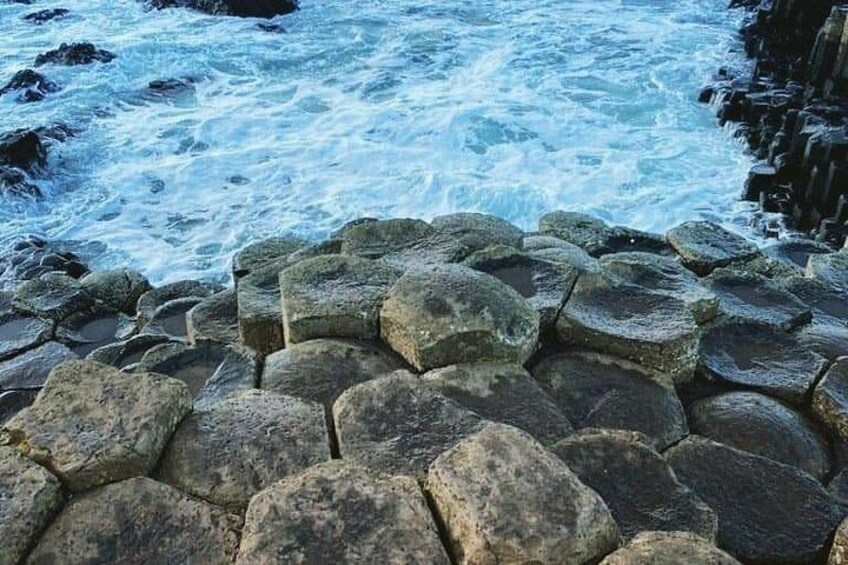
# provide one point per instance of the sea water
(383, 108)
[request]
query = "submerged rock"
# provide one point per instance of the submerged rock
(22, 149)
(139, 521)
(240, 8)
(338, 512)
(452, 314)
(70, 54)
(92, 424)
(704, 246)
(29, 86)
(490, 517)
(767, 512)
(669, 548)
(43, 16)
(15, 184)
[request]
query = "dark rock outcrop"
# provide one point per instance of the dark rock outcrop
(241, 8)
(71, 54)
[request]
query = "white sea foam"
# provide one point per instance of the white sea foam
(375, 107)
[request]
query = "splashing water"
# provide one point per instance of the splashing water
(384, 108)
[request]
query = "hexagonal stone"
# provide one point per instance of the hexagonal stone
(763, 266)
(478, 231)
(13, 401)
(545, 284)
(118, 289)
(139, 521)
(547, 516)
(597, 391)
(763, 426)
(752, 298)
(830, 269)
(239, 446)
(30, 370)
(662, 275)
(830, 398)
(86, 331)
(795, 252)
(212, 372)
(636, 483)
(827, 303)
(151, 300)
(260, 317)
(402, 243)
(92, 424)
(652, 329)
(321, 369)
(126, 354)
(214, 320)
(452, 314)
(704, 246)
(334, 296)
(760, 358)
(263, 253)
(17, 334)
(767, 512)
(555, 250)
(502, 393)
(396, 424)
(171, 319)
(337, 512)
(669, 548)
(593, 235)
(31, 497)
(53, 296)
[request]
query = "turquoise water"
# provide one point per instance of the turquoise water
(380, 108)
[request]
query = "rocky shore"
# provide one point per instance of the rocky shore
(793, 111)
(453, 391)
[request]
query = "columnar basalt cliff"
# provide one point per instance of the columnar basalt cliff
(412, 392)
(793, 107)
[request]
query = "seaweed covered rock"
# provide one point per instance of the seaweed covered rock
(92, 424)
(138, 521)
(452, 314)
(338, 512)
(704, 246)
(492, 518)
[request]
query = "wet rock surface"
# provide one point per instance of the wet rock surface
(86, 331)
(752, 298)
(92, 425)
(53, 296)
(339, 512)
(705, 246)
(767, 512)
(22, 149)
(597, 391)
(241, 8)
(830, 269)
(13, 401)
(491, 518)
(124, 354)
(29, 86)
(795, 252)
(20, 333)
(153, 299)
(260, 317)
(71, 54)
(139, 521)
(46, 15)
(30, 370)
(597, 238)
(119, 289)
(636, 483)
(171, 319)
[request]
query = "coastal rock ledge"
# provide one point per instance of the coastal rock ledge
(450, 392)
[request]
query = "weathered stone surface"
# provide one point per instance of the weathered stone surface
(593, 235)
(17, 334)
(827, 303)
(212, 372)
(151, 300)
(239, 446)
(171, 319)
(403, 243)
(669, 548)
(704, 246)
(763, 266)
(337, 512)
(502, 393)
(555, 250)
(662, 275)
(752, 298)
(119, 289)
(830, 269)
(334, 296)
(214, 320)
(760, 358)
(260, 316)
(86, 331)
(92, 424)
(139, 521)
(830, 398)
(652, 329)
(30, 370)
(31, 497)
(126, 354)
(52, 296)
(452, 314)
(546, 516)
(396, 424)
(758, 424)
(326, 247)
(597, 391)
(13, 401)
(478, 231)
(838, 487)
(839, 552)
(545, 284)
(829, 339)
(321, 369)
(636, 483)
(767, 512)
(795, 252)
(258, 255)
